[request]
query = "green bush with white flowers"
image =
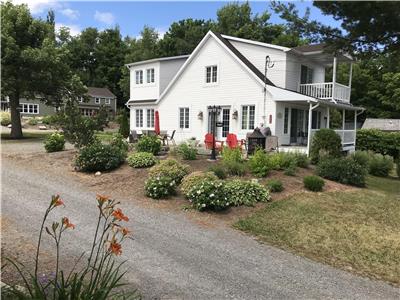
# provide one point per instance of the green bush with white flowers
(170, 168)
(194, 178)
(158, 187)
(209, 195)
(141, 160)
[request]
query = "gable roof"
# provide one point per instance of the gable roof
(157, 59)
(257, 43)
(99, 92)
(382, 124)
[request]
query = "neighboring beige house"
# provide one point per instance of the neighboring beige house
(382, 124)
(97, 97)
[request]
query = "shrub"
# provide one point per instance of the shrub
(344, 170)
(362, 158)
(231, 155)
(33, 121)
(188, 152)
(278, 161)
(209, 195)
(218, 170)
(380, 165)
(325, 141)
(5, 118)
(386, 143)
(194, 178)
(234, 168)
(301, 159)
(259, 164)
(99, 157)
(141, 160)
(245, 192)
(313, 183)
(149, 144)
(398, 168)
(291, 169)
(101, 118)
(119, 141)
(275, 185)
(170, 168)
(158, 187)
(50, 119)
(124, 124)
(54, 142)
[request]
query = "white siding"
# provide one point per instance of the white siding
(236, 87)
(256, 55)
(146, 90)
(168, 69)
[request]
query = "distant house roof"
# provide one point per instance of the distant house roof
(100, 92)
(382, 124)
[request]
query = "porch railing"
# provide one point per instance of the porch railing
(326, 90)
(348, 137)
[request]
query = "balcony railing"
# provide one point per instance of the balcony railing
(326, 90)
(347, 136)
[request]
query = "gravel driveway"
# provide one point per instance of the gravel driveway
(171, 257)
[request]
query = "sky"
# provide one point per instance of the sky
(132, 16)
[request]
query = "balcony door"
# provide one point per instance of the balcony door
(306, 75)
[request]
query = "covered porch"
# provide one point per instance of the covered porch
(298, 121)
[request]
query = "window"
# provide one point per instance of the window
(248, 116)
(28, 108)
(80, 99)
(184, 117)
(107, 101)
(211, 74)
(87, 112)
(286, 121)
(316, 120)
(97, 100)
(306, 75)
(150, 75)
(150, 118)
(139, 77)
(139, 118)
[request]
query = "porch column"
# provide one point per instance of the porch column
(351, 74)
(334, 77)
(327, 117)
(355, 127)
(343, 123)
(311, 108)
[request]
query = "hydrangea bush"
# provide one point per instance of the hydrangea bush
(194, 178)
(158, 187)
(246, 192)
(209, 195)
(141, 160)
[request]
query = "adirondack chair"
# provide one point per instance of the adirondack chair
(233, 142)
(208, 141)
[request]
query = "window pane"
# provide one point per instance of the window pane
(208, 74)
(225, 122)
(214, 74)
(252, 116)
(244, 117)
(286, 121)
(186, 117)
(181, 117)
(152, 75)
(141, 78)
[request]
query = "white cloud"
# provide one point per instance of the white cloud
(39, 6)
(70, 13)
(161, 32)
(74, 29)
(104, 17)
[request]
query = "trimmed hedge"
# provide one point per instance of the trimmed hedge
(325, 142)
(386, 143)
(141, 160)
(54, 142)
(313, 183)
(245, 192)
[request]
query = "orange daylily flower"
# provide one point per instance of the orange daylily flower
(67, 223)
(115, 247)
(118, 214)
(58, 201)
(125, 231)
(102, 198)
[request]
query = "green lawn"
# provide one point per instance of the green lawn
(355, 230)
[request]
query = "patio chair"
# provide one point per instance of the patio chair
(208, 142)
(233, 142)
(271, 143)
(170, 138)
(133, 136)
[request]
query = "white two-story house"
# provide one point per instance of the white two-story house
(293, 99)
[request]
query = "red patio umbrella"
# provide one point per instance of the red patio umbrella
(157, 123)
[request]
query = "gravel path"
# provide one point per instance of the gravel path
(173, 258)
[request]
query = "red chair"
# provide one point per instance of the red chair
(233, 142)
(208, 141)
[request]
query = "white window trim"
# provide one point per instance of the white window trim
(97, 100)
(107, 101)
(141, 79)
(147, 119)
(30, 104)
(248, 120)
(136, 118)
(151, 77)
(184, 119)
(205, 75)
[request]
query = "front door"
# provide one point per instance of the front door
(224, 117)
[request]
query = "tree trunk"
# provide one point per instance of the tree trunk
(16, 128)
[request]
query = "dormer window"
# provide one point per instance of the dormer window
(97, 100)
(139, 76)
(211, 74)
(150, 75)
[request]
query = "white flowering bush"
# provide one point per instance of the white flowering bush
(158, 187)
(246, 192)
(141, 160)
(194, 178)
(209, 195)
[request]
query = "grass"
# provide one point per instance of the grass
(105, 136)
(355, 230)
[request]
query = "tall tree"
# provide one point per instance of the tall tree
(32, 65)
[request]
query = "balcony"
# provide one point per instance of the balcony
(327, 91)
